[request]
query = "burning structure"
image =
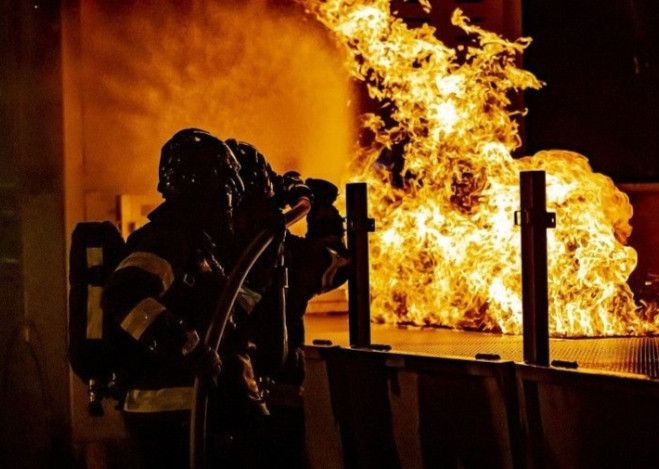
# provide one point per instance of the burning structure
(444, 186)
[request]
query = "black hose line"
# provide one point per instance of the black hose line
(215, 332)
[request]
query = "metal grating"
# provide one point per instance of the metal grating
(638, 355)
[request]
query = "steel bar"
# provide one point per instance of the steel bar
(359, 225)
(534, 221)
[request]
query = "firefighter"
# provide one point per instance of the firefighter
(316, 263)
(161, 295)
(217, 196)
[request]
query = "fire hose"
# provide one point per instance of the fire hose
(215, 332)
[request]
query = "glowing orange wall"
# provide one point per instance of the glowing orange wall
(257, 70)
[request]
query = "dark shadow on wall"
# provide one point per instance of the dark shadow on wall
(600, 61)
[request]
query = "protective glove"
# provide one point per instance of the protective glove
(323, 219)
(290, 188)
(201, 359)
(324, 192)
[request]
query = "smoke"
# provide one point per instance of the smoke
(264, 74)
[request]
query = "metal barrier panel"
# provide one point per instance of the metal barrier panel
(468, 412)
(407, 411)
(323, 441)
(359, 386)
(587, 420)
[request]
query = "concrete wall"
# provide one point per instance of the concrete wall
(35, 391)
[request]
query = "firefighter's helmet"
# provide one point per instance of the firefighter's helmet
(255, 171)
(195, 165)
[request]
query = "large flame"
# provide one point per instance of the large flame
(447, 252)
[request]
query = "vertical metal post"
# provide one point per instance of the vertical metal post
(534, 221)
(359, 301)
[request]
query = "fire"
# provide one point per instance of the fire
(446, 251)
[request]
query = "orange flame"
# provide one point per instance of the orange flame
(447, 252)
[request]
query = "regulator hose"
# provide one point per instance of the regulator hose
(215, 332)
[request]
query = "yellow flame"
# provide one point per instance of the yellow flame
(447, 252)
